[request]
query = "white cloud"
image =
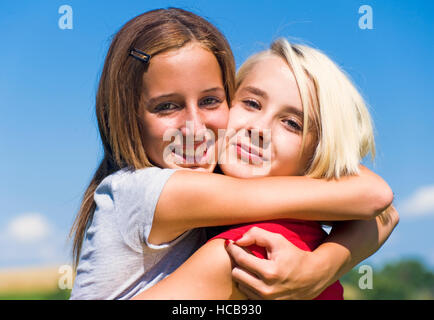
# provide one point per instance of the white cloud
(32, 239)
(420, 203)
(29, 227)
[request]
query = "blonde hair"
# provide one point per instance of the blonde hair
(344, 128)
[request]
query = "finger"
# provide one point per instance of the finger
(247, 283)
(250, 294)
(270, 241)
(260, 237)
(247, 260)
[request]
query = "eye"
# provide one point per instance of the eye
(166, 107)
(210, 102)
(252, 104)
(293, 125)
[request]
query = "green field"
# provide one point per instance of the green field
(35, 295)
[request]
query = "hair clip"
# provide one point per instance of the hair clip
(140, 55)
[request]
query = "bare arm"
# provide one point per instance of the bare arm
(351, 242)
(193, 199)
(205, 275)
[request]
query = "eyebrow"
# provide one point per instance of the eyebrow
(255, 91)
(154, 100)
(218, 89)
(294, 110)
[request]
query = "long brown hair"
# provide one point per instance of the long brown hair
(120, 87)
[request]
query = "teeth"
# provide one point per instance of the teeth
(190, 153)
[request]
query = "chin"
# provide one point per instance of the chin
(244, 171)
(206, 168)
(201, 169)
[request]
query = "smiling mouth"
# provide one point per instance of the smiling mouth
(192, 156)
(250, 150)
(248, 154)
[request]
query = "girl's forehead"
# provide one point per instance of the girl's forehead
(188, 68)
(275, 79)
(271, 71)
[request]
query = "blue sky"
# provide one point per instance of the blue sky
(48, 79)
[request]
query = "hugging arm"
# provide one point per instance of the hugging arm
(351, 242)
(196, 199)
(290, 273)
(294, 274)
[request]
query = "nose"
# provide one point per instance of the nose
(258, 131)
(194, 125)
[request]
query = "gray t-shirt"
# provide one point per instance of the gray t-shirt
(117, 261)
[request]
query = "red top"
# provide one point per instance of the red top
(306, 235)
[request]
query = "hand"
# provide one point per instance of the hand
(289, 272)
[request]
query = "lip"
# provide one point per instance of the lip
(195, 146)
(250, 150)
(190, 159)
(252, 154)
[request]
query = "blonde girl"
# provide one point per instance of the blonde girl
(320, 127)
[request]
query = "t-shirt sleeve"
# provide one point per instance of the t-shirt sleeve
(135, 197)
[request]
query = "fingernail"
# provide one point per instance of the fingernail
(227, 241)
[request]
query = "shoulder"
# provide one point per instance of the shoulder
(212, 265)
(134, 178)
(214, 255)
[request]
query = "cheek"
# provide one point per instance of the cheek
(218, 119)
(156, 127)
(154, 130)
(237, 118)
(286, 154)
